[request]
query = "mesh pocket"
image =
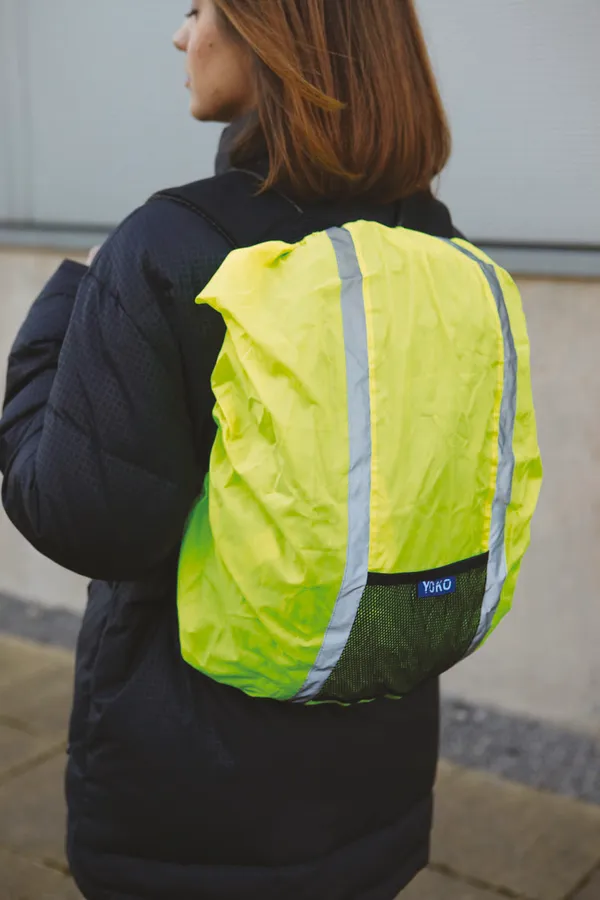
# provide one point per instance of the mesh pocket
(399, 639)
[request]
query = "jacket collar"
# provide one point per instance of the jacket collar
(421, 212)
(223, 160)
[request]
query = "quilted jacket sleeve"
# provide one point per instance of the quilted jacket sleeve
(96, 443)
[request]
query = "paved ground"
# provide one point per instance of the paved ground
(493, 838)
(521, 748)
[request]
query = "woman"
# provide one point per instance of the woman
(179, 787)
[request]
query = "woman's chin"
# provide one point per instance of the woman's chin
(197, 111)
(201, 114)
(212, 112)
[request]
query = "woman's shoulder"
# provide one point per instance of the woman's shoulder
(166, 223)
(190, 229)
(163, 240)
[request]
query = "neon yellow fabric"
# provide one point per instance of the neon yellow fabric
(527, 480)
(430, 411)
(264, 553)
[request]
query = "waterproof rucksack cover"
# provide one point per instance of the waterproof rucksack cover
(375, 470)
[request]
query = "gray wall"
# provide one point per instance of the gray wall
(521, 79)
(101, 118)
(544, 660)
(94, 112)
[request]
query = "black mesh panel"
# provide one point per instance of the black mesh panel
(399, 639)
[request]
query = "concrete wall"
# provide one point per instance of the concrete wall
(95, 118)
(521, 81)
(544, 659)
(23, 572)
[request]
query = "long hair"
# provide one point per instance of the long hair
(347, 101)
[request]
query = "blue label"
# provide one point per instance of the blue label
(438, 587)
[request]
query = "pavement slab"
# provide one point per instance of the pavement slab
(432, 885)
(493, 838)
(512, 838)
(32, 813)
(19, 749)
(38, 704)
(24, 879)
(591, 889)
(22, 659)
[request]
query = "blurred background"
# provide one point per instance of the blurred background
(93, 119)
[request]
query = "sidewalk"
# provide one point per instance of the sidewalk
(493, 839)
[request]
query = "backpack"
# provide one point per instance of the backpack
(376, 466)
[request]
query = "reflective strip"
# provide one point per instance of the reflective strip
(497, 566)
(359, 476)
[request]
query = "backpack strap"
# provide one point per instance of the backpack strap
(423, 212)
(232, 206)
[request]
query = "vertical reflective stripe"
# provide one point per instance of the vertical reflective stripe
(359, 476)
(497, 566)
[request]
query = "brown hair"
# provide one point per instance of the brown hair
(348, 103)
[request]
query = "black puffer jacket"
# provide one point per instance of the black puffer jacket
(179, 788)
